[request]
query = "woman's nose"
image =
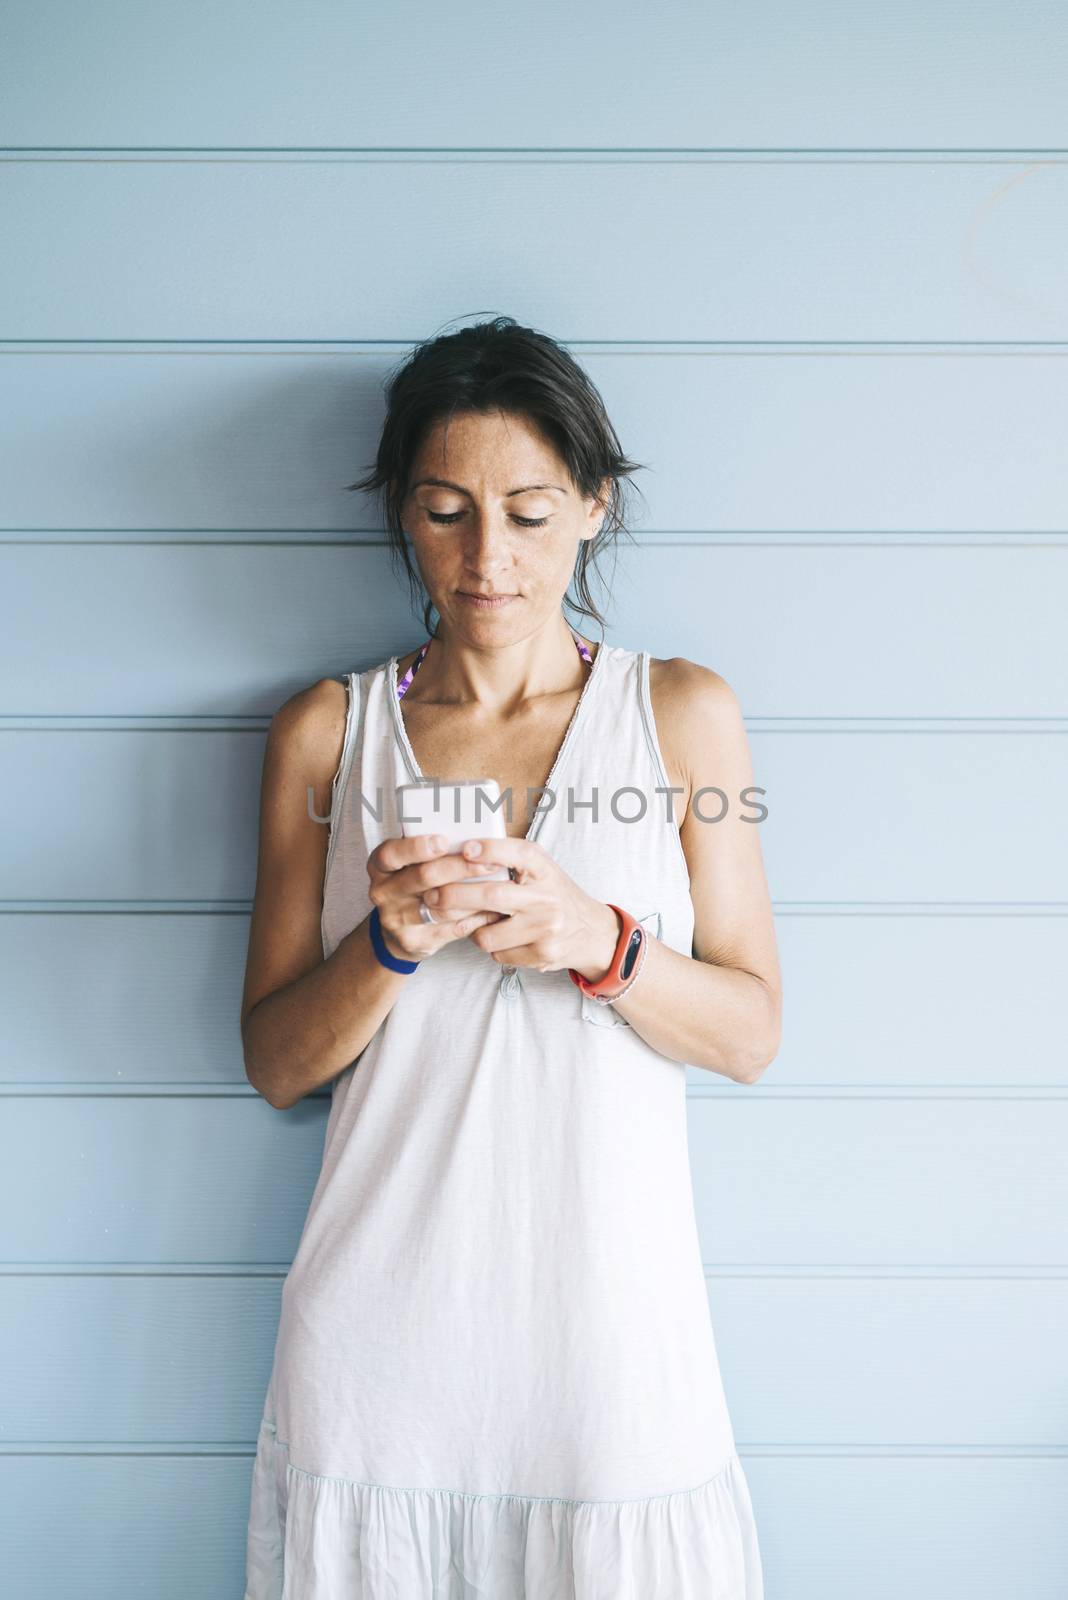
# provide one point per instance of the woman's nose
(487, 546)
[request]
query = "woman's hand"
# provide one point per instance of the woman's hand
(401, 871)
(548, 922)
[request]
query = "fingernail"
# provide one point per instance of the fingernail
(472, 848)
(438, 842)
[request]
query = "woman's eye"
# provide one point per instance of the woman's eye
(524, 522)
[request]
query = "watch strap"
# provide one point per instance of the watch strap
(626, 963)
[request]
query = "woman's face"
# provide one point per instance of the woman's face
(492, 511)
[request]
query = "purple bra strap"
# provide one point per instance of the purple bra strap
(405, 682)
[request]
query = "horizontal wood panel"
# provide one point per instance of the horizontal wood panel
(251, 249)
(852, 816)
(123, 999)
(839, 441)
(884, 631)
(798, 1182)
(939, 1526)
(328, 73)
(895, 1361)
(156, 1180)
(871, 1000)
(925, 1001)
(179, 1360)
(882, 1528)
(913, 816)
(185, 1360)
(124, 1527)
(891, 1182)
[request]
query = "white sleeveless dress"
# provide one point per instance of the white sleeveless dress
(495, 1376)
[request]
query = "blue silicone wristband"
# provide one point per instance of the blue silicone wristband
(394, 963)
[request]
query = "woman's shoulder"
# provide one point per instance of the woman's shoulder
(685, 686)
(690, 702)
(307, 732)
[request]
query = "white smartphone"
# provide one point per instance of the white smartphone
(458, 811)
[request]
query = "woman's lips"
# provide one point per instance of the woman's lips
(487, 602)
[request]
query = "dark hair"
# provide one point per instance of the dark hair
(500, 366)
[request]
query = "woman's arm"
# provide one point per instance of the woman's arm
(303, 1019)
(722, 1010)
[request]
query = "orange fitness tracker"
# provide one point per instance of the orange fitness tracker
(626, 962)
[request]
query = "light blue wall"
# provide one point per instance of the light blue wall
(815, 259)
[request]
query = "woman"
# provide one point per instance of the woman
(495, 1372)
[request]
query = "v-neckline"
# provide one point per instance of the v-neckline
(417, 775)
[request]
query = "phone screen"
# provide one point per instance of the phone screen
(470, 809)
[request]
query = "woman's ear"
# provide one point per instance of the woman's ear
(596, 509)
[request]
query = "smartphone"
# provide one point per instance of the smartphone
(458, 811)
